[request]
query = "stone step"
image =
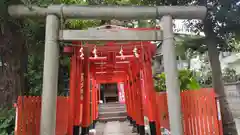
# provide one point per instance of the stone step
(113, 114)
(112, 105)
(111, 110)
(108, 119)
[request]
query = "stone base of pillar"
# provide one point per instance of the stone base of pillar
(134, 123)
(138, 131)
(91, 126)
(94, 124)
(152, 125)
(134, 129)
(130, 120)
(141, 129)
(237, 123)
(85, 131)
(76, 130)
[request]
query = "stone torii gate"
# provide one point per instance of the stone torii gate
(54, 34)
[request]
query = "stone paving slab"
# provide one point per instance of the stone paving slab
(114, 128)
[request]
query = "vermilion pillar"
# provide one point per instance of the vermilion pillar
(130, 100)
(72, 93)
(131, 93)
(98, 99)
(140, 96)
(86, 121)
(93, 100)
(94, 103)
(77, 101)
(151, 97)
(126, 97)
(75, 94)
(134, 99)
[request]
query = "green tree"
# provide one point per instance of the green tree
(7, 121)
(230, 75)
(184, 52)
(220, 27)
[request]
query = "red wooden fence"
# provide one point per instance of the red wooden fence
(199, 112)
(28, 112)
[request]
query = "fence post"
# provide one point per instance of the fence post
(18, 112)
(220, 125)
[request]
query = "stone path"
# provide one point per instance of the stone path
(114, 128)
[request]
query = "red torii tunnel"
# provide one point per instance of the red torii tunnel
(112, 62)
(128, 63)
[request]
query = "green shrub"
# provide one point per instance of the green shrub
(7, 121)
(187, 81)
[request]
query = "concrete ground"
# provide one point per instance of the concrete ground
(114, 128)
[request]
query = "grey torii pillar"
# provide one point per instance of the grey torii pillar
(50, 76)
(172, 82)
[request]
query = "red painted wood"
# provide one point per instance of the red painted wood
(77, 101)
(29, 113)
(86, 121)
(199, 112)
(72, 94)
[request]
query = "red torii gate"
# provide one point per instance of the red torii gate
(128, 62)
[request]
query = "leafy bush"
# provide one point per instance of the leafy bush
(7, 121)
(187, 81)
(230, 75)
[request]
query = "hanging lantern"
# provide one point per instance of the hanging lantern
(121, 54)
(135, 52)
(95, 52)
(81, 52)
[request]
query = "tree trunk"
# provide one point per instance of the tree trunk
(12, 48)
(228, 122)
(189, 64)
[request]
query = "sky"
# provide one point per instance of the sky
(181, 28)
